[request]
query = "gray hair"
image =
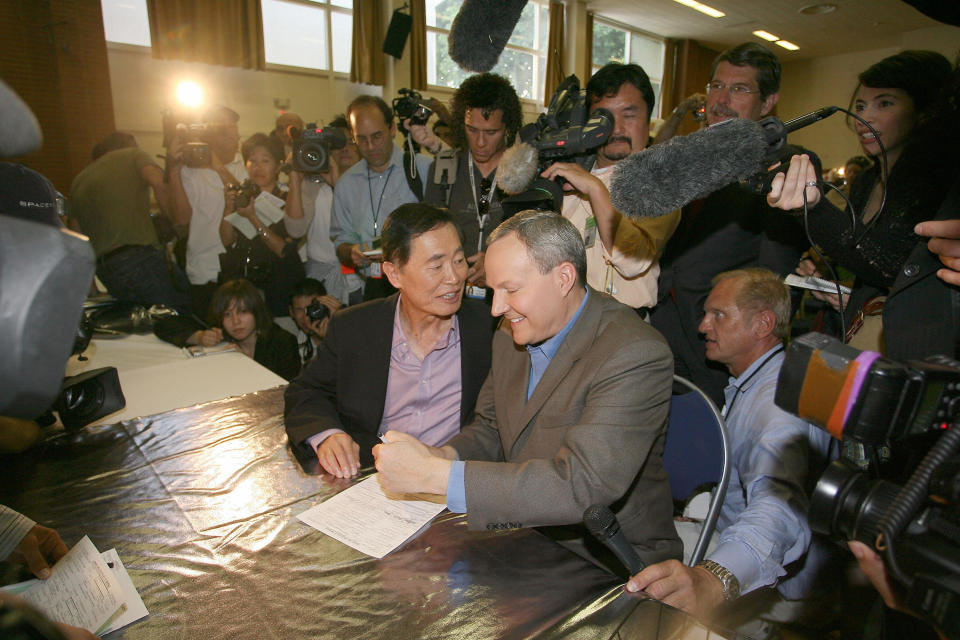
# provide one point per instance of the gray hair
(550, 239)
(762, 290)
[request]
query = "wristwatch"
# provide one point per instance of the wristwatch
(731, 586)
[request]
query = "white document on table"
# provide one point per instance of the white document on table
(364, 518)
(81, 591)
(135, 609)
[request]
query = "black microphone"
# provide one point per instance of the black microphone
(603, 525)
(481, 31)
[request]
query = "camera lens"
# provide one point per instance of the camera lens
(847, 504)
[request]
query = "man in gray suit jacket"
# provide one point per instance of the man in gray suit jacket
(572, 414)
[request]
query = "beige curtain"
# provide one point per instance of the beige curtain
(554, 72)
(222, 32)
(366, 63)
(587, 60)
(418, 45)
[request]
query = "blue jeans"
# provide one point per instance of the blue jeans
(141, 274)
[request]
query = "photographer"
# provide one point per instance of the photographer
(310, 310)
(269, 259)
(198, 197)
(485, 118)
(370, 190)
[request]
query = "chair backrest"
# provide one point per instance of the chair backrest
(697, 452)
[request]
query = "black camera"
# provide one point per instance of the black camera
(311, 149)
(897, 486)
(316, 310)
(410, 105)
(194, 137)
(567, 131)
(246, 191)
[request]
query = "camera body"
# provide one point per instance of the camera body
(246, 192)
(409, 104)
(311, 148)
(193, 136)
(316, 310)
(897, 486)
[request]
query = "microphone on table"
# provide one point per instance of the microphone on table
(480, 32)
(667, 176)
(603, 525)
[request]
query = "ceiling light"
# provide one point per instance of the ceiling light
(702, 8)
(787, 45)
(190, 94)
(766, 35)
(817, 9)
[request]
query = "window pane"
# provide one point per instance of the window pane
(518, 67)
(294, 34)
(609, 44)
(440, 13)
(342, 24)
(525, 31)
(346, 4)
(448, 74)
(126, 21)
(648, 53)
(544, 28)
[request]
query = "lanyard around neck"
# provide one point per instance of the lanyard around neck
(484, 218)
(376, 210)
(727, 409)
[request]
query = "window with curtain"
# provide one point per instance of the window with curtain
(126, 22)
(311, 34)
(523, 61)
(618, 43)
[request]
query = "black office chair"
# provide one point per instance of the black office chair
(697, 452)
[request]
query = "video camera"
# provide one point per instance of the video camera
(410, 105)
(312, 146)
(897, 486)
(194, 136)
(567, 131)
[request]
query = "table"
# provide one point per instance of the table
(201, 503)
(156, 376)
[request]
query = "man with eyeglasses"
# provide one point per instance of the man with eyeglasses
(729, 229)
(622, 253)
(485, 116)
(368, 192)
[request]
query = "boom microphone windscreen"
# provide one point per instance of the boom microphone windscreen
(481, 31)
(20, 132)
(517, 168)
(667, 176)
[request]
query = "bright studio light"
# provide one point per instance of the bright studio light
(190, 94)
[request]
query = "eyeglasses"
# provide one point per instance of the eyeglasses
(735, 89)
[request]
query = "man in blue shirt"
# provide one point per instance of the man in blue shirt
(762, 528)
(572, 414)
(369, 191)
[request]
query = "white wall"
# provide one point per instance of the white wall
(830, 80)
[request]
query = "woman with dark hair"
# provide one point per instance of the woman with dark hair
(269, 258)
(897, 305)
(237, 314)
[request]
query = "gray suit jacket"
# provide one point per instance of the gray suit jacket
(592, 432)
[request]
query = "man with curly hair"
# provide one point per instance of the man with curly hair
(485, 118)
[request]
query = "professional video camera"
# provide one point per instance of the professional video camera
(311, 148)
(897, 486)
(410, 105)
(194, 136)
(567, 131)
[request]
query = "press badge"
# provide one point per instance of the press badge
(475, 292)
(590, 232)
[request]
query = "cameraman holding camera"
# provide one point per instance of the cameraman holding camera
(310, 310)
(485, 118)
(198, 196)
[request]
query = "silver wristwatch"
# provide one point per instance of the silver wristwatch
(731, 586)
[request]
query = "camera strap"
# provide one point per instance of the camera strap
(410, 169)
(482, 218)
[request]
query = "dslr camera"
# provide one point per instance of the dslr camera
(311, 148)
(409, 104)
(316, 310)
(896, 487)
(246, 191)
(567, 131)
